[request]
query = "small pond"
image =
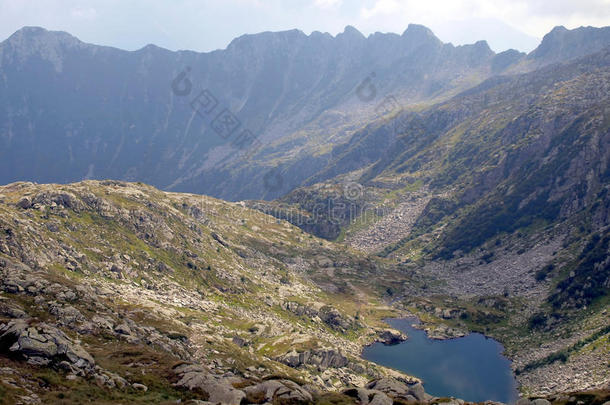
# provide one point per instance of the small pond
(471, 368)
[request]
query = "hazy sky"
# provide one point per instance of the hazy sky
(205, 25)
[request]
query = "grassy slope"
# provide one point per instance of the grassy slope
(184, 265)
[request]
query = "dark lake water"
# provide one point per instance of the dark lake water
(471, 368)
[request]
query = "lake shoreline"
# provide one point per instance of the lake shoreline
(471, 367)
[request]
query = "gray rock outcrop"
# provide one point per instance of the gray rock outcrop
(398, 389)
(44, 345)
(368, 397)
(323, 359)
(217, 389)
(282, 391)
(391, 336)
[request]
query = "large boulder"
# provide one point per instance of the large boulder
(24, 203)
(17, 278)
(11, 310)
(417, 390)
(59, 198)
(389, 386)
(44, 344)
(321, 358)
(333, 318)
(217, 390)
(300, 309)
(368, 397)
(67, 314)
(398, 389)
(391, 336)
(278, 391)
(379, 398)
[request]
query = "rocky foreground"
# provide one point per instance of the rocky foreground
(113, 292)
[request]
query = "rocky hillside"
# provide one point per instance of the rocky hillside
(116, 292)
(500, 193)
(496, 143)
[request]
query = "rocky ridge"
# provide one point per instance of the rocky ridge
(178, 292)
(121, 292)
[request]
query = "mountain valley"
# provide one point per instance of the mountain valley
(387, 176)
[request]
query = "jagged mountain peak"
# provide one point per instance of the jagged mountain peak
(350, 34)
(558, 29)
(34, 33)
(352, 31)
(564, 44)
(319, 34)
(418, 35)
(38, 42)
(505, 59)
(481, 48)
(151, 48)
(267, 38)
(418, 29)
(482, 44)
(30, 30)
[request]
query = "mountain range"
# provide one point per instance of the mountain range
(71, 111)
(365, 178)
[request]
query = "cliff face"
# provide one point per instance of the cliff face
(505, 153)
(71, 111)
(107, 113)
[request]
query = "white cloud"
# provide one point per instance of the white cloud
(326, 4)
(534, 17)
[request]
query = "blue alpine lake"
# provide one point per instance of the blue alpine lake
(471, 368)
